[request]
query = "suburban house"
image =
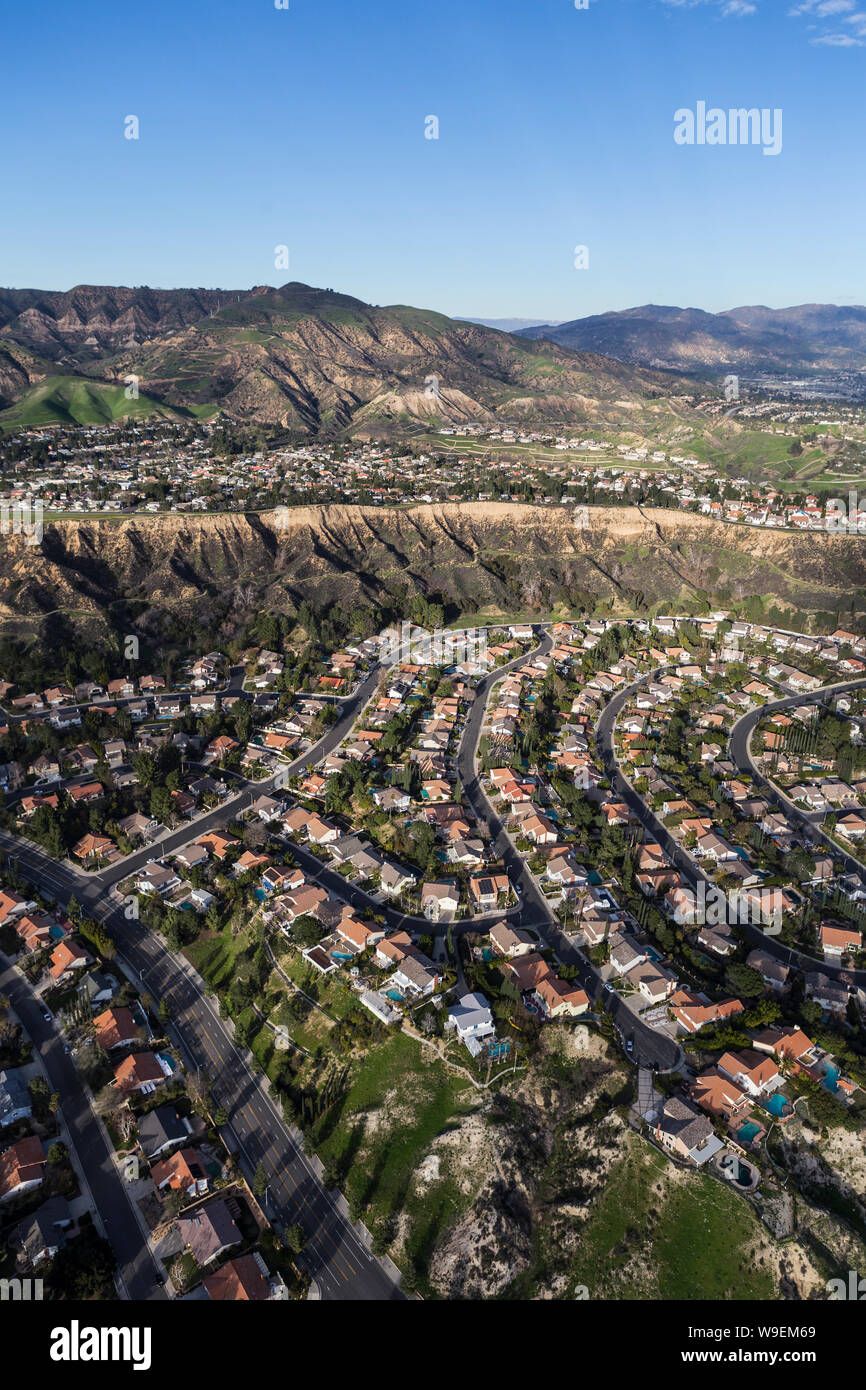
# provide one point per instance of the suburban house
(209, 1231)
(694, 1011)
(244, 1279)
(116, 1028)
(830, 994)
(15, 1103)
(438, 898)
(157, 878)
(160, 1129)
(141, 1071)
(395, 880)
(510, 942)
(557, 998)
(182, 1171)
(687, 1133)
(40, 1236)
(21, 1167)
(757, 1075)
(66, 960)
(718, 1095)
(839, 941)
(472, 1019)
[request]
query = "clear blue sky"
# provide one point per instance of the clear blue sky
(305, 127)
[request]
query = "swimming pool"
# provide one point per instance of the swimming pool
(830, 1078)
(747, 1133)
(775, 1104)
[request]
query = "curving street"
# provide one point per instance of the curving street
(679, 857)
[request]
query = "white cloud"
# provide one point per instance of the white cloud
(839, 41)
(726, 7)
(821, 9)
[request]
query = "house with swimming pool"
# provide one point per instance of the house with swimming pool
(718, 1095)
(754, 1073)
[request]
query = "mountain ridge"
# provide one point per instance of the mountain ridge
(804, 337)
(304, 359)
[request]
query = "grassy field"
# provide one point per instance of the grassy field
(213, 956)
(396, 1105)
(660, 1233)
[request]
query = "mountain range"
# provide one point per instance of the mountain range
(309, 361)
(804, 338)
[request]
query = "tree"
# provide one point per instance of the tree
(295, 1239)
(744, 981)
(260, 1181)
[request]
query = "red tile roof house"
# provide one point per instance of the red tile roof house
(787, 1044)
(718, 1095)
(558, 998)
(839, 941)
(218, 845)
(693, 1011)
(139, 1072)
(35, 930)
(116, 1028)
(93, 847)
(182, 1172)
(89, 791)
(21, 1167)
(244, 1279)
(357, 935)
(66, 959)
(757, 1075)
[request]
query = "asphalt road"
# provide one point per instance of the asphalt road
(136, 1265)
(335, 1256)
(739, 747)
(651, 1048)
(690, 870)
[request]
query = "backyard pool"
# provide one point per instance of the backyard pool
(776, 1104)
(748, 1132)
(830, 1078)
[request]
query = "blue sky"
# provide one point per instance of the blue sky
(305, 128)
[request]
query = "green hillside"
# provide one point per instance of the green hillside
(73, 400)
